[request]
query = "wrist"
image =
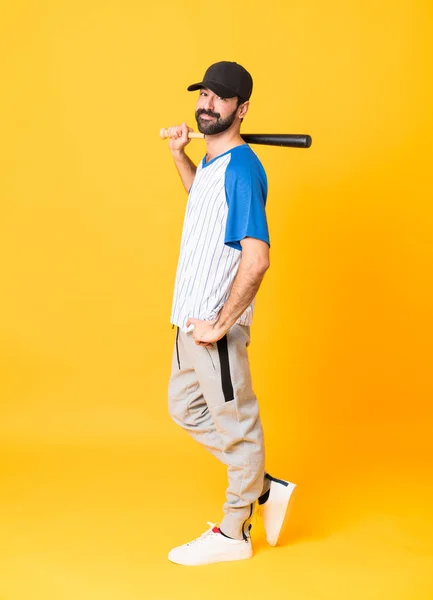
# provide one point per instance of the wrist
(178, 155)
(221, 326)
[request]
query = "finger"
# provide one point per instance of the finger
(205, 344)
(184, 131)
(174, 132)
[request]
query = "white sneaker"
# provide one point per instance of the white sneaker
(211, 547)
(274, 507)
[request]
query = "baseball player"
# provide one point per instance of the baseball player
(224, 256)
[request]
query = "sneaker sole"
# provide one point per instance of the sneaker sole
(210, 562)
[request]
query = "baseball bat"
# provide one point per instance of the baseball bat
(291, 140)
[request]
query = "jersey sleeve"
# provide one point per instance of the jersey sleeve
(246, 193)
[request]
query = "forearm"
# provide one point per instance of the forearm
(245, 287)
(185, 167)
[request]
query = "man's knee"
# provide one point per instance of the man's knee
(177, 410)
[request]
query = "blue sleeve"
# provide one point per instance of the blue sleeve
(246, 192)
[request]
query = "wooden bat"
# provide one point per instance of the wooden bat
(291, 140)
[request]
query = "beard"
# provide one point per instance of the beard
(213, 127)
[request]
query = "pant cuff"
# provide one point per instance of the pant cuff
(237, 526)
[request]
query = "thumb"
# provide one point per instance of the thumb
(185, 130)
(191, 322)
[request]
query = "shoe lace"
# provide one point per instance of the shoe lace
(205, 536)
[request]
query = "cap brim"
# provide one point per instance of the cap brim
(216, 88)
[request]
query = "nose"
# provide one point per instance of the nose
(208, 103)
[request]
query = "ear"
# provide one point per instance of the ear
(243, 109)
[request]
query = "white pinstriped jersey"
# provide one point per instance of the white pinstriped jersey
(226, 203)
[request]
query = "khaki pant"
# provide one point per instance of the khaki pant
(211, 397)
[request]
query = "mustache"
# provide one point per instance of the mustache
(203, 111)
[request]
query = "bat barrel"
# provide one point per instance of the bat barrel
(278, 139)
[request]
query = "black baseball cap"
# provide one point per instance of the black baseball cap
(227, 79)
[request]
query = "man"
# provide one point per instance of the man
(223, 258)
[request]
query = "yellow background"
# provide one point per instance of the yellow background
(97, 482)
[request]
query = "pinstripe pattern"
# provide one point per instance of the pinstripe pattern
(206, 267)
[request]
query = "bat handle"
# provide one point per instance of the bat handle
(163, 134)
